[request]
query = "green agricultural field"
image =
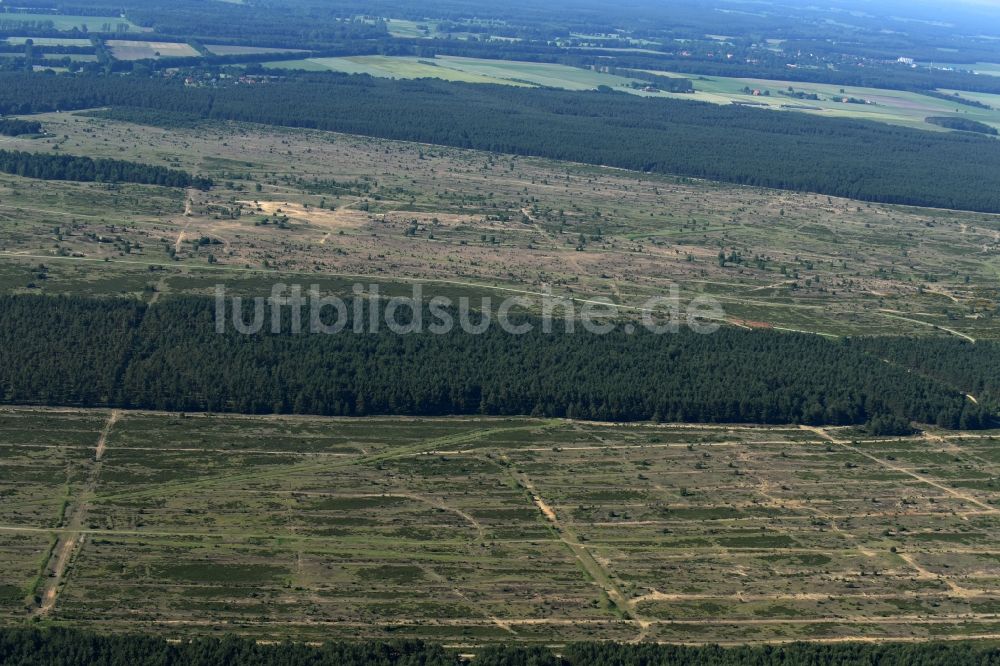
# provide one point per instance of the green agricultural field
(385, 66)
(226, 49)
(305, 65)
(470, 70)
(985, 98)
(477, 530)
(50, 41)
(70, 22)
(412, 29)
(124, 49)
(987, 68)
(75, 57)
(542, 74)
(891, 106)
(428, 29)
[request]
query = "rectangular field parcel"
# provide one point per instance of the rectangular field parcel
(124, 49)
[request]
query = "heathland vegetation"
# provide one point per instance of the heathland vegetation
(617, 499)
(369, 529)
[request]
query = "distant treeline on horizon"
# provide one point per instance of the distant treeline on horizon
(74, 647)
(849, 158)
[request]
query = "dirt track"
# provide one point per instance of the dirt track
(73, 536)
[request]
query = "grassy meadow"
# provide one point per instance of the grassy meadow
(70, 22)
(890, 106)
(50, 41)
(470, 70)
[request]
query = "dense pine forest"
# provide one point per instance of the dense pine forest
(68, 647)
(84, 169)
(856, 159)
(962, 124)
(73, 351)
(15, 127)
(971, 368)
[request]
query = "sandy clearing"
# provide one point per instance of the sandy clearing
(341, 218)
(65, 548)
(545, 508)
(102, 441)
(180, 238)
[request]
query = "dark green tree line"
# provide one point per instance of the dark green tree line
(47, 166)
(972, 368)
(169, 356)
(16, 127)
(962, 124)
(72, 647)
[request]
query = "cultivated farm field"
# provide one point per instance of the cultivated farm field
(383, 66)
(469, 70)
(987, 68)
(477, 530)
(50, 41)
(891, 106)
(71, 21)
(411, 29)
(124, 49)
(229, 49)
